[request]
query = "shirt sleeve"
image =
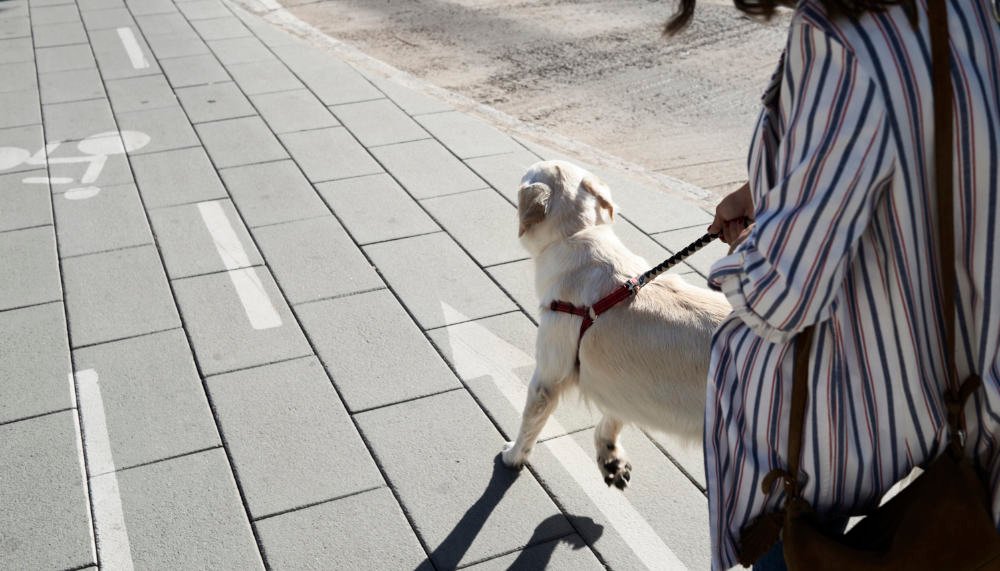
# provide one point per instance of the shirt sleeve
(833, 156)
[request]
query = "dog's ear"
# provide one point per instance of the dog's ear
(593, 185)
(532, 205)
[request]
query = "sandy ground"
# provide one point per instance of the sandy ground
(597, 71)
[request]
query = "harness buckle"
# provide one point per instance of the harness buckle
(633, 284)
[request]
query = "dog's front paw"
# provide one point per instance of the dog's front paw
(512, 457)
(617, 471)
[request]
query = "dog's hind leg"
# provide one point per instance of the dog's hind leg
(611, 459)
(542, 400)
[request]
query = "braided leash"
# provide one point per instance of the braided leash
(635, 283)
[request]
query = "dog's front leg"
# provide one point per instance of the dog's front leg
(542, 400)
(611, 459)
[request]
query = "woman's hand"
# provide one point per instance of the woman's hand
(732, 216)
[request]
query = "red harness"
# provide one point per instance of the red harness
(590, 313)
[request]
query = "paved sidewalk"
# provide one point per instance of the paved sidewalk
(261, 309)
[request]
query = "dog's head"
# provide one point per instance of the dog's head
(558, 199)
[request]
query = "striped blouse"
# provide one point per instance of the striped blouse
(841, 175)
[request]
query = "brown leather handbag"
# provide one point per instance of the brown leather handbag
(940, 522)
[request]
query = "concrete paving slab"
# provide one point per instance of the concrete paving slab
(290, 437)
(568, 553)
(31, 268)
(46, 518)
(374, 352)
(185, 513)
(271, 193)
(98, 5)
(64, 58)
(688, 456)
(18, 76)
(222, 28)
(413, 102)
(482, 222)
(141, 93)
(426, 169)
(110, 220)
(114, 295)
(315, 259)
(438, 282)
(26, 205)
(189, 248)
(16, 50)
(504, 172)
(336, 82)
(642, 245)
(35, 367)
(61, 14)
(168, 128)
(19, 108)
(153, 401)
(655, 211)
(290, 111)
(268, 33)
(473, 509)
(240, 50)
(224, 335)
(235, 142)
(176, 177)
(214, 102)
(203, 10)
(170, 23)
(379, 122)
(701, 260)
(518, 280)
(77, 120)
(108, 19)
(311, 538)
(14, 27)
(186, 44)
(495, 358)
(328, 154)
(468, 136)
(194, 70)
(74, 85)
(59, 34)
(115, 170)
(149, 7)
(264, 77)
(27, 139)
(375, 208)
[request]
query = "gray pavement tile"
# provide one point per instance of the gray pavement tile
(289, 436)
(473, 509)
(267, 32)
(150, 7)
(374, 352)
(176, 177)
(98, 5)
(113, 172)
(290, 111)
(468, 136)
(642, 245)
(16, 50)
(61, 14)
(114, 295)
(203, 10)
(482, 222)
(426, 168)
(374, 208)
(568, 553)
(328, 154)
(336, 82)
(240, 50)
(263, 77)
(701, 260)
(21, 143)
(378, 122)
(270, 193)
(110, 220)
(221, 28)
(31, 267)
(679, 518)
(65, 58)
(74, 85)
(315, 259)
(653, 210)
(19, 108)
(46, 518)
(495, 358)
(13, 27)
(504, 172)
(412, 101)
(140, 93)
(185, 513)
(18, 76)
(187, 246)
(193, 70)
(77, 120)
(518, 280)
(168, 128)
(686, 455)
(153, 401)
(95, 20)
(25, 204)
(214, 102)
(177, 45)
(311, 538)
(35, 366)
(230, 334)
(235, 142)
(172, 23)
(115, 61)
(437, 281)
(59, 34)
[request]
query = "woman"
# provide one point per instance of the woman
(844, 237)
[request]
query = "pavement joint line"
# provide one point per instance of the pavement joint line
(675, 462)
(167, 458)
(517, 550)
(107, 251)
(136, 336)
(472, 320)
(270, 224)
(80, 567)
(34, 416)
(214, 272)
(60, 300)
(320, 502)
(417, 235)
(27, 228)
(456, 193)
(267, 162)
(260, 366)
(491, 266)
(567, 433)
(210, 121)
(395, 142)
(405, 401)
(341, 295)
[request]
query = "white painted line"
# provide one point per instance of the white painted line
(112, 535)
(257, 304)
(479, 352)
(46, 180)
(132, 48)
(227, 243)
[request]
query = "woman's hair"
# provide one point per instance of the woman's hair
(766, 8)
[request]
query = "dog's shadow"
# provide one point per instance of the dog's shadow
(449, 554)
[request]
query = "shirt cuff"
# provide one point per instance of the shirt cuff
(728, 276)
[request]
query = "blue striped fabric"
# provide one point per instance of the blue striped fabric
(841, 172)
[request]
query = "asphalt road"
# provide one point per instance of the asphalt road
(597, 71)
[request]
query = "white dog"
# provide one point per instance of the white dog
(644, 361)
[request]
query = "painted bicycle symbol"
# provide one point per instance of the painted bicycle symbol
(95, 151)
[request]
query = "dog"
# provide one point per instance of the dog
(645, 361)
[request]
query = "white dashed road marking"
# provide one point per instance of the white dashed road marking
(132, 48)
